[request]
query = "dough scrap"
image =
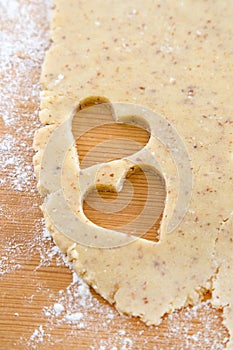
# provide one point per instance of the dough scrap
(183, 77)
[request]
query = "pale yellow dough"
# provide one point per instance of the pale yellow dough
(174, 58)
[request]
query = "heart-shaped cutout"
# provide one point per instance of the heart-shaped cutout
(108, 142)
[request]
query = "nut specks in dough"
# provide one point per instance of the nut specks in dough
(176, 62)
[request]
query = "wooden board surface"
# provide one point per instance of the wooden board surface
(35, 281)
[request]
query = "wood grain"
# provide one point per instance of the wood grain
(26, 287)
(110, 141)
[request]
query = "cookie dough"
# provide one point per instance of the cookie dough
(175, 61)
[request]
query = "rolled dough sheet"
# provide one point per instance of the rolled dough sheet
(174, 58)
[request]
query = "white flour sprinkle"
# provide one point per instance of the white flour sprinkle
(121, 332)
(16, 171)
(74, 318)
(128, 344)
(58, 308)
(38, 335)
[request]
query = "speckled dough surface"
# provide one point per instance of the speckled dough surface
(174, 58)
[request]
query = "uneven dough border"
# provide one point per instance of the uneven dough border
(196, 252)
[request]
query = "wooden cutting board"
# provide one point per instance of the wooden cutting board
(40, 306)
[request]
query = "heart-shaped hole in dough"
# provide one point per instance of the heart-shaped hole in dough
(101, 141)
(124, 219)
